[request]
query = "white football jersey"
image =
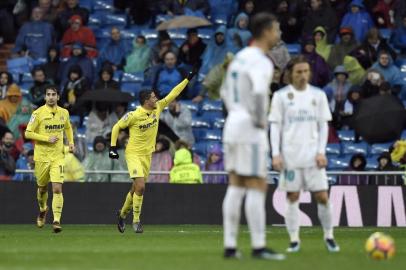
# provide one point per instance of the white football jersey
(249, 74)
(298, 114)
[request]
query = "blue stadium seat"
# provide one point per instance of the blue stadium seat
(386, 33)
(212, 115)
(26, 77)
(94, 21)
(151, 36)
(200, 122)
(117, 75)
(200, 148)
(338, 163)
(218, 123)
(294, 48)
(132, 82)
(205, 33)
(16, 77)
(199, 133)
(129, 34)
(379, 148)
(103, 6)
(117, 20)
(403, 136)
(350, 148)
(212, 135)
(346, 135)
(333, 149)
(212, 105)
(162, 18)
(90, 146)
(372, 163)
(88, 4)
(190, 105)
(75, 119)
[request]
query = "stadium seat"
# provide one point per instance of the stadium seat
(162, 18)
(212, 105)
(151, 36)
(16, 77)
(117, 75)
(200, 122)
(333, 149)
(128, 34)
(294, 48)
(117, 20)
(379, 148)
(88, 4)
(212, 135)
(132, 82)
(403, 136)
(190, 105)
(205, 33)
(338, 163)
(94, 21)
(212, 115)
(350, 148)
(75, 119)
(26, 81)
(199, 134)
(386, 33)
(133, 105)
(346, 135)
(200, 148)
(103, 6)
(218, 123)
(372, 163)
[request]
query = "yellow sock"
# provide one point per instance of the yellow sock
(57, 205)
(128, 204)
(137, 204)
(42, 199)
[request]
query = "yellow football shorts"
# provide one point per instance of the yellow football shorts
(138, 165)
(49, 171)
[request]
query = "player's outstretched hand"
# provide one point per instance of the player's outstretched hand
(321, 161)
(194, 70)
(277, 163)
(113, 153)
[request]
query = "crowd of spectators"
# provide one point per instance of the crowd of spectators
(343, 40)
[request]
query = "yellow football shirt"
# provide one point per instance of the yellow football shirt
(143, 124)
(46, 122)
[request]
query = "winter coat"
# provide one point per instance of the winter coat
(181, 124)
(97, 127)
(391, 73)
(399, 39)
(370, 55)
(166, 79)
(22, 116)
(114, 53)
(8, 108)
(88, 69)
(194, 54)
(243, 34)
(360, 22)
(218, 166)
(384, 11)
(37, 93)
(355, 179)
(320, 69)
(139, 58)
(185, 171)
(280, 55)
(356, 72)
(96, 161)
(36, 37)
(84, 35)
(323, 48)
(326, 17)
(62, 22)
(7, 166)
(290, 33)
(339, 51)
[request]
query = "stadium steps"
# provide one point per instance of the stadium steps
(5, 53)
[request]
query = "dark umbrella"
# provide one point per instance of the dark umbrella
(106, 95)
(380, 119)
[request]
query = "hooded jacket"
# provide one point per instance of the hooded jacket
(185, 171)
(114, 52)
(218, 166)
(399, 39)
(139, 58)
(161, 161)
(8, 108)
(243, 34)
(360, 22)
(319, 67)
(22, 116)
(111, 84)
(180, 124)
(356, 72)
(339, 51)
(391, 72)
(323, 48)
(95, 161)
(355, 179)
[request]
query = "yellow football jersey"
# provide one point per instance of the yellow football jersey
(46, 122)
(143, 124)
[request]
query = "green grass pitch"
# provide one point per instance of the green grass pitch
(179, 247)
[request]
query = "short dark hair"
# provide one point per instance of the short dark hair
(260, 22)
(51, 87)
(36, 69)
(144, 95)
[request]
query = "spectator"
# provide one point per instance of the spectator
(319, 67)
(290, 24)
(390, 72)
(6, 79)
(212, 82)
(37, 91)
(182, 144)
(179, 119)
(344, 47)
(351, 105)
(25, 162)
(164, 45)
(52, 66)
(358, 163)
(115, 51)
(8, 106)
(385, 165)
(337, 92)
(7, 162)
(193, 7)
(247, 6)
(215, 163)
(22, 116)
(192, 49)
(73, 169)
(98, 124)
(399, 37)
(367, 53)
(280, 55)
(355, 71)
(9, 145)
(106, 79)
(161, 161)
(97, 160)
(400, 12)
(139, 59)
(168, 76)
(217, 50)
(71, 8)
(321, 14)
(384, 13)
(74, 88)
(119, 110)
(78, 58)
(372, 84)
(78, 33)
(48, 10)
(358, 19)
(34, 37)
(185, 171)
(323, 48)
(239, 34)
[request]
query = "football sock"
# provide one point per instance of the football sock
(256, 217)
(137, 204)
(57, 205)
(42, 199)
(325, 214)
(231, 214)
(292, 220)
(128, 204)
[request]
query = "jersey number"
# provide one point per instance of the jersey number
(234, 75)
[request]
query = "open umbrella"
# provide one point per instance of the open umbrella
(183, 22)
(380, 119)
(106, 95)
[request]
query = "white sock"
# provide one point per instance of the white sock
(231, 215)
(256, 217)
(325, 214)
(292, 220)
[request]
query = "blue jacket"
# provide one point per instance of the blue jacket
(391, 73)
(399, 38)
(85, 63)
(115, 53)
(36, 37)
(244, 34)
(214, 53)
(360, 22)
(166, 79)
